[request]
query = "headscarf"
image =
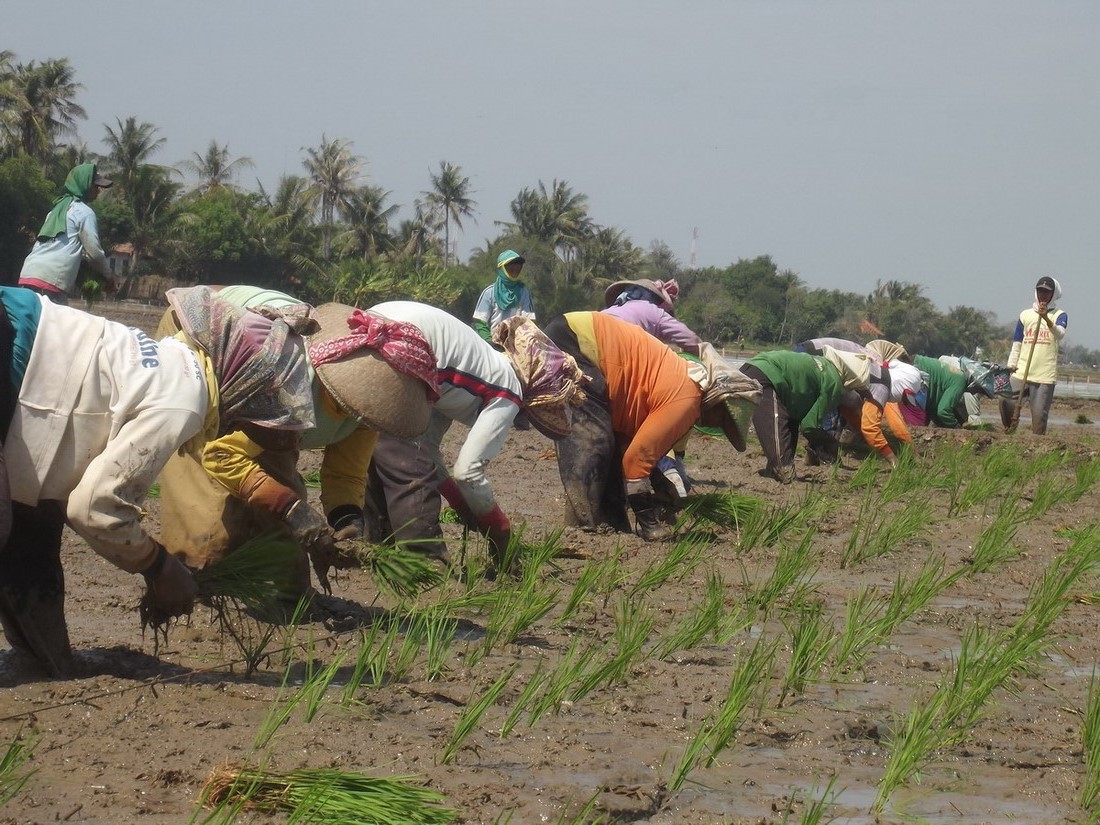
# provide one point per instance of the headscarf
(508, 291)
(905, 379)
(725, 386)
(888, 350)
(551, 379)
(400, 344)
(259, 359)
(78, 183)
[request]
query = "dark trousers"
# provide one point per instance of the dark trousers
(775, 429)
(403, 500)
(589, 461)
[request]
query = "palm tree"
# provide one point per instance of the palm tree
(609, 256)
(38, 104)
(128, 150)
(215, 169)
(368, 231)
(150, 198)
(449, 197)
(334, 171)
(558, 217)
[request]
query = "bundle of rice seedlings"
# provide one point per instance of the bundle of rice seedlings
(400, 570)
(722, 509)
(326, 797)
(257, 573)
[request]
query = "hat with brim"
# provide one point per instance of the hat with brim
(102, 182)
(365, 386)
(510, 256)
(616, 289)
(732, 416)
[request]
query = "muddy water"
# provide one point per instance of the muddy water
(112, 749)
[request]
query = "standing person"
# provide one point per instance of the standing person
(1034, 355)
(640, 400)
(96, 410)
(69, 235)
(506, 297)
(484, 389)
(219, 494)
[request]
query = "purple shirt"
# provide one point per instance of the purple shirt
(656, 322)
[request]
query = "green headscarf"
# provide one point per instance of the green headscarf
(507, 292)
(78, 184)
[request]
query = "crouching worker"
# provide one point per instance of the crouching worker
(96, 409)
(484, 389)
(799, 391)
(366, 374)
(639, 402)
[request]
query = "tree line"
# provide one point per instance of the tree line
(330, 234)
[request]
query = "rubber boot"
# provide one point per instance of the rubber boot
(649, 516)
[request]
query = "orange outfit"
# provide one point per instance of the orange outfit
(653, 401)
(869, 422)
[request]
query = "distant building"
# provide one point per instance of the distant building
(121, 259)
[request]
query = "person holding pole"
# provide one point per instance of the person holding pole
(1039, 330)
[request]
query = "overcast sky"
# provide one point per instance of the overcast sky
(952, 144)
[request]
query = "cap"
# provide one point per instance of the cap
(1046, 282)
(509, 256)
(366, 386)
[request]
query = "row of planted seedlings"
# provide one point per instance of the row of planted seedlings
(785, 640)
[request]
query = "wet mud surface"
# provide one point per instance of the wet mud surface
(133, 740)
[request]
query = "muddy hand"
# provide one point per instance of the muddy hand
(170, 589)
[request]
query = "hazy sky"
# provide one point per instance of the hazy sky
(951, 144)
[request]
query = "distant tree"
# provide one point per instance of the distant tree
(608, 256)
(414, 238)
(37, 105)
(216, 167)
(661, 263)
(128, 150)
(334, 174)
(215, 244)
(25, 197)
(558, 217)
(963, 330)
(449, 198)
(368, 223)
(904, 314)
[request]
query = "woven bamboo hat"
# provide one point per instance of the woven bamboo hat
(366, 386)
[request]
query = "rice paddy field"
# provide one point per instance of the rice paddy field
(863, 646)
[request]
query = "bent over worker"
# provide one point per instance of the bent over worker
(97, 409)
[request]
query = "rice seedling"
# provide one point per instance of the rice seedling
(586, 583)
(633, 625)
(766, 526)
(979, 489)
(879, 531)
(257, 574)
(515, 611)
(568, 671)
(986, 661)
(735, 621)
(812, 639)
(536, 556)
(994, 546)
(12, 775)
(1046, 494)
(399, 569)
(471, 715)
(909, 596)
(865, 476)
(728, 510)
(792, 569)
(1090, 740)
(1086, 474)
(748, 685)
(316, 685)
(585, 815)
(364, 659)
(679, 561)
(327, 796)
(702, 620)
(814, 812)
(860, 630)
(439, 636)
(521, 703)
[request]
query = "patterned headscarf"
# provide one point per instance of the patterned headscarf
(259, 360)
(550, 378)
(400, 344)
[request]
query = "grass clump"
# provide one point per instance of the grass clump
(12, 775)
